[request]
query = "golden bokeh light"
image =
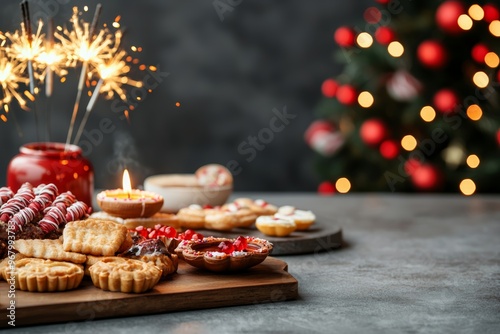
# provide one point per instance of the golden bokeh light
(495, 28)
(465, 22)
(343, 185)
(395, 49)
(364, 40)
(365, 99)
(476, 12)
(409, 142)
(474, 112)
(427, 113)
(481, 79)
(467, 187)
(473, 161)
(492, 60)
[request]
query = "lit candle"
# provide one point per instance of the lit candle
(129, 203)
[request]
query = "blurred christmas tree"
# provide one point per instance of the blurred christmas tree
(417, 105)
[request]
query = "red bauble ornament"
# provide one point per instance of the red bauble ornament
(445, 100)
(316, 127)
(345, 36)
(478, 52)
(384, 35)
(427, 178)
(432, 54)
(383, 2)
(372, 15)
(411, 165)
(447, 16)
(491, 12)
(329, 87)
(373, 131)
(346, 94)
(326, 188)
(389, 149)
(498, 137)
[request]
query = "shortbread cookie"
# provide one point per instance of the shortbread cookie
(158, 218)
(275, 227)
(192, 217)
(302, 218)
(259, 206)
(125, 276)
(244, 216)
(39, 275)
(220, 220)
(94, 237)
(49, 249)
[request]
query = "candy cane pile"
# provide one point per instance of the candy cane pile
(42, 206)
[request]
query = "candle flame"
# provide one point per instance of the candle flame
(127, 186)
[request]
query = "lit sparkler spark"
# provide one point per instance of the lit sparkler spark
(114, 75)
(11, 75)
(20, 47)
(79, 45)
(54, 58)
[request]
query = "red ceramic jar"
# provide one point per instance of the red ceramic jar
(57, 163)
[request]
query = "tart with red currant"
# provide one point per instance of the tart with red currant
(223, 254)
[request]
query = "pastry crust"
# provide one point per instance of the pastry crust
(39, 275)
(127, 275)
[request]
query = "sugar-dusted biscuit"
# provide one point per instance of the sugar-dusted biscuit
(124, 275)
(259, 206)
(39, 275)
(47, 249)
(94, 237)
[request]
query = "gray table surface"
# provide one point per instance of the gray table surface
(410, 264)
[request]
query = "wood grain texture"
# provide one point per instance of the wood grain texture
(189, 289)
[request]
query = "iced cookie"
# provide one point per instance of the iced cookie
(303, 219)
(275, 227)
(260, 207)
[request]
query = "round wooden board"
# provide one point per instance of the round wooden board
(319, 237)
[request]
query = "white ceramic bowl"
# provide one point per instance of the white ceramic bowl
(182, 190)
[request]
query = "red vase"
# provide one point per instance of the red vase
(57, 163)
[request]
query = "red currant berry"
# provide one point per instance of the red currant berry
(188, 234)
(226, 247)
(170, 232)
(197, 236)
(240, 243)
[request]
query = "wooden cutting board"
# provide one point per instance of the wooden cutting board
(189, 289)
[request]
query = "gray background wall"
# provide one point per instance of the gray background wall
(228, 72)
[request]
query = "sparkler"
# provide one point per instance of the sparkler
(11, 75)
(81, 45)
(97, 50)
(112, 75)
